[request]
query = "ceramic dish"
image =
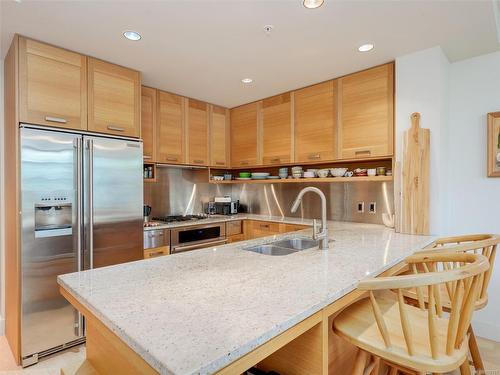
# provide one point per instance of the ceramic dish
(273, 177)
(322, 173)
(245, 174)
(260, 175)
(218, 178)
(338, 172)
(243, 178)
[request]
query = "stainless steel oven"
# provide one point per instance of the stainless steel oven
(197, 237)
(154, 238)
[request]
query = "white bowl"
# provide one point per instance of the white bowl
(322, 173)
(309, 175)
(218, 178)
(371, 172)
(338, 172)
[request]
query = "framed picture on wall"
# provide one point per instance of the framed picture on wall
(494, 144)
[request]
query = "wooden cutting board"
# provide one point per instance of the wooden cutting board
(415, 179)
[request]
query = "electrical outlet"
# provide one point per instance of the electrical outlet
(361, 207)
(372, 208)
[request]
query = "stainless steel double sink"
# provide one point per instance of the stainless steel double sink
(284, 247)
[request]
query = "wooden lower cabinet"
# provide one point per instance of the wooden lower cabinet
(257, 228)
(156, 252)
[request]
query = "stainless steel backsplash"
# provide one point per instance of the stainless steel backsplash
(185, 191)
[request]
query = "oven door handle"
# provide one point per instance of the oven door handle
(180, 249)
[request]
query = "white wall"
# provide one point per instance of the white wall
(422, 86)
(453, 100)
(473, 199)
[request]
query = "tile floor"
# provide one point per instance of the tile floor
(490, 352)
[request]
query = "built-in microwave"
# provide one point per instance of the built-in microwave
(197, 237)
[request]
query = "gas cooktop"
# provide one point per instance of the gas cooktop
(179, 218)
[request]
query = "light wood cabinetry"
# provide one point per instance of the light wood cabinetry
(197, 132)
(52, 85)
(244, 121)
(316, 122)
(219, 136)
(366, 113)
(148, 123)
(156, 252)
(114, 95)
(170, 122)
(257, 228)
(277, 129)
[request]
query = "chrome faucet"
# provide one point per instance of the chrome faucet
(322, 235)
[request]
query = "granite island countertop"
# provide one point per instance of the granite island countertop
(196, 312)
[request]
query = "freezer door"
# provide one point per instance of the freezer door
(113, 199)
(50, 237)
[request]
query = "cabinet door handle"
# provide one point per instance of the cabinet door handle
(155, 254)
(147, 157)
(275, 160)
(314, 156)
(198, 161)
(363, 152)
(264, 226)
(244, 163)
(172, 159)
(116, 128)
(220, 163)
(59, 120)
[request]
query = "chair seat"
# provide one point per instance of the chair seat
(357, 324)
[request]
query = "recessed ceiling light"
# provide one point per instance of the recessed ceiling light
(247, 80)
(313, 4)
(132, 35)
(365, 47)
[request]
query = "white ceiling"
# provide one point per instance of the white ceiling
(202, 49)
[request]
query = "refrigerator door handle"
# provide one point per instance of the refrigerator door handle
(91, 202)
(79, 220)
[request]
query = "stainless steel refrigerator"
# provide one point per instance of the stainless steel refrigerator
(82, 201)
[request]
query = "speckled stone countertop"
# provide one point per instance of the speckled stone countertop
(196, 312)
(224, 218)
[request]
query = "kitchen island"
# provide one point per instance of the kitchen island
(224, 309)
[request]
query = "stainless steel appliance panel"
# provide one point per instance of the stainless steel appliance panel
(156, 238)
(50, 237)
(113, 199)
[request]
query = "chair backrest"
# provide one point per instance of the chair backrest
(485, 244)
(460, 273)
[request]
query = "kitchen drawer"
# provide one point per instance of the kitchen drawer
(234, 228)
(156, 252)
(236, 238)
(258, 229)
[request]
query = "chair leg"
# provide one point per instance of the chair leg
(360, 362)
(465, 368)
(393, 371)
(474, 352)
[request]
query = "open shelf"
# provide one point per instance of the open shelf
(307, 180)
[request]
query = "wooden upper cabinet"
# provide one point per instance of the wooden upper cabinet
(114, 95)
(316, 122)
(244, 135)
(219, 137)
(170, 129)
(197, 132)
(52, 86)
(148, 123)
(367, 113)
(277, 129)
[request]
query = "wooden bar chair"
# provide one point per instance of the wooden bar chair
(384, 326)
(485, 244)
